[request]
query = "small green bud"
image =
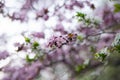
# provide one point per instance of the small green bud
(27, 39)
(82, 15)
(35, 45)
(80, 38)
(28, 59)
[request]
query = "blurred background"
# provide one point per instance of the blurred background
(21, 17)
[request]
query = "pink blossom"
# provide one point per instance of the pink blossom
(3, 54)
(38, 34)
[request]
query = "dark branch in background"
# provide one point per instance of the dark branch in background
(2, 5)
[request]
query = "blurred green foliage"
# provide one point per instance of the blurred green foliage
(35, 44)
(100, 56)
(87, 21)
(117, 7)
(27, 40)
(28, 59)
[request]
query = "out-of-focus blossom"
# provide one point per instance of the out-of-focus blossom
(3, 54)
(76, 52)
(38, 34)
(109, 17)
(74, 3)
(3, 39)
(105, 41)
(117, 17)
(88, 30)
(60, 28)
(28, 72)
(19, 16)
(42, 14)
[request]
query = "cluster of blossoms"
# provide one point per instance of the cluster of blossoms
(74, 50)
(61, 40)
(27, 72)
(43, 11)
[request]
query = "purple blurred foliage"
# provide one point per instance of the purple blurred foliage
(3, 39)
(108, 16)
(105, 41)
(74, 3)
(18, 16)
(60, 28)
(38, 34)
(65, 48)
(28, 72)
(117, 17)
(88, 30)
(42, 14)
(4, 54)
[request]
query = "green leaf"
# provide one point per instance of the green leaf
(81, 15)
(100, 56)
(92, 49)
(80, 67)
(80, 38)
(27, 39)
(88, 21)
(103, 56)
(28, 59)
(117, 7)
(117, 48)
(35, 45)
